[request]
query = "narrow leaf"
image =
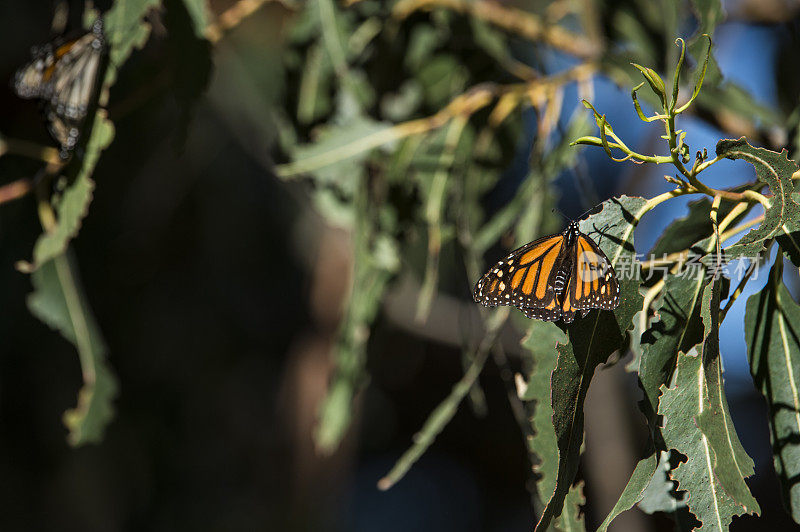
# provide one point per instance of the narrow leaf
(198, 12)
(58, 300)
(772, 330)
(444, 412)
(540, 349)
(634, 489)
(375, 261)
(698, 425)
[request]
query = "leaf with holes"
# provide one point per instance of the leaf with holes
(698, 425)
(782, 219)
(540, 350)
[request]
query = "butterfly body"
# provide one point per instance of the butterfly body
(552, 278)
(63, 75)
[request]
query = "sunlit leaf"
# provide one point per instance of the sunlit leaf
(782, 219)
(697, 424)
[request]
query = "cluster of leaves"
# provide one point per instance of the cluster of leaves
(401, 131)
(64, 193)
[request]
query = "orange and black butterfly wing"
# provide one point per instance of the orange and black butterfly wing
(593, 283)
(524, 279)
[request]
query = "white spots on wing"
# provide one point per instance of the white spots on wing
(500, 274)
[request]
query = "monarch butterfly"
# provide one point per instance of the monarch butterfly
(552, 278)
(63, 74)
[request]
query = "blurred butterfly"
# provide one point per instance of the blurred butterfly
(63, 75)
(552, 278)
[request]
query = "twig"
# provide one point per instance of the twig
(510, 19)
(465, 104)
(234, 15)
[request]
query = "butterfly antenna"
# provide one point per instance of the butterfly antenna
(556, 211)
(587, 211)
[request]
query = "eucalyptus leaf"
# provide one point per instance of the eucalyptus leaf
(540, 350)
(198, 12)
(697, 424)
(59, 301)
(782, 219)
(772, 331)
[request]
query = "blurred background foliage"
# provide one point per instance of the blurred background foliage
(429, 135)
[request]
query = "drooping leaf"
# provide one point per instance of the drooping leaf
(435, 195)
(772, 330)
(697, 424)
(660, 495)
(782, 219)
(634, 490)
(375, 260)
(540, 350)
(72, 206)
(678, 327)
(58, 300)
(591, 341)
(198, 11)
(571, 519)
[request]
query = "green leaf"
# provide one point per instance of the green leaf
(58, 300)
(634, 489)
(772, 330)
(678, 327)
(338, 150)
(540, 351)
(72, 206)
(697, 424)
(655, 82)
(659, 495)
(442, 77)
(125, 29)
(709, 14)
(591, 341)
(782, 220)
(198, 12)
(571, 519)
(700, 78)
(375, 262)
